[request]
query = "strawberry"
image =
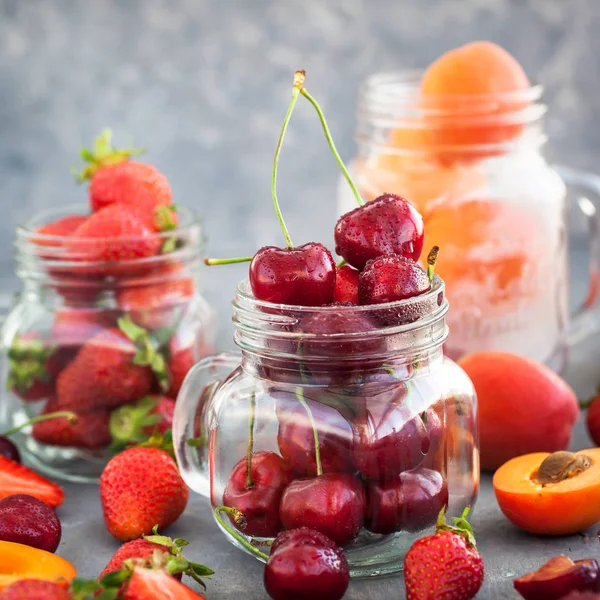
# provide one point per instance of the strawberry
(63, 227)
(114, 179)
(90, 430)
(135, 423)
(445, 565)
(180, 361)
(141, 488)
(34, 589)
(73, 326)
(155, 584)
(156, 306)
(32, 367)
(115, 367)
(156, 550)
(115, 233)
(18, 479)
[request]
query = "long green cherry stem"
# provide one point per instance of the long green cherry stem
(67, 414)
(431, 260)
(212, 262)
(250, 449)
(240, 520)
(300, 397)
(331, 143)
(299, 77)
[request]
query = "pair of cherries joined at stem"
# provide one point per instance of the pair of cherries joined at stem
(380, 241)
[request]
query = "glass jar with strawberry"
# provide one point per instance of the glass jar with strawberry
(109, 320)
(341, 413)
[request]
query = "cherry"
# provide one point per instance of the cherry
(9, 450)
(303, 276)
(592, 418)
(305, 564)
(559, 576)
(346, 285)
(258, 495)
(27, 520)
(387, 225)
(332, 503)
(297, 440)
(410, 502)
(388, 438)
(390, 278)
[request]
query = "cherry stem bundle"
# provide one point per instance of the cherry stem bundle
(240, 520)
(300, 397)
(299, 77)
(331, 143)
(250, 449)
(66, 414)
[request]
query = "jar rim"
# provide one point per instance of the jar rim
(38, 255)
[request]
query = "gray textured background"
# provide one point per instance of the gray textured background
(204, 85)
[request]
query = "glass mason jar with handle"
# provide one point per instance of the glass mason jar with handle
(473, 166)
(108, 341)
(346, 419)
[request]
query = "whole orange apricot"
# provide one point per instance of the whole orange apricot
(469, 90)
(550, 494)
(523, 406)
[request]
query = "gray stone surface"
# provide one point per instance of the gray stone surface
(204, 85)
(507, 552)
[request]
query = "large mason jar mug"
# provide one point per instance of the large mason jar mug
(346, 419)
(473, 166)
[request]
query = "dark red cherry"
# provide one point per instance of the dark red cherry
(387, 225)
(388, 438)
(410, 502)
(346, 285)
(296, 436)
(260, 502)
(390, 278)
(332, 504)
(306, 565)
(558, 577)
(9, 450)
(302, 276)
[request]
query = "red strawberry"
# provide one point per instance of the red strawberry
(156, 306)
(140, 548)
(73, 326)
(445, 565)
(113, 368)
(115, 233)
(32, 367)
(137, 422)
(90, 430)
(114, 179)
(141, 488)
(34, 589)
(62, 227)
(180, 362)
(18, 479)
(153, 584)
(346, 285)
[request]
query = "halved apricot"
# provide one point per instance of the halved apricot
(18, 561)
(550, 494)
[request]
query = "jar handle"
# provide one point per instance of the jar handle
(585, 320)
(191, 421)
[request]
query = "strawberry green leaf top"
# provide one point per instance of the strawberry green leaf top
(102, 155)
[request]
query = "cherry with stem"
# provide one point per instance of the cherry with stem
(300, 397)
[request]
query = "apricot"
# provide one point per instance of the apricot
(550, 494)
(470, 93)
(524, 407)
(18, 561)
